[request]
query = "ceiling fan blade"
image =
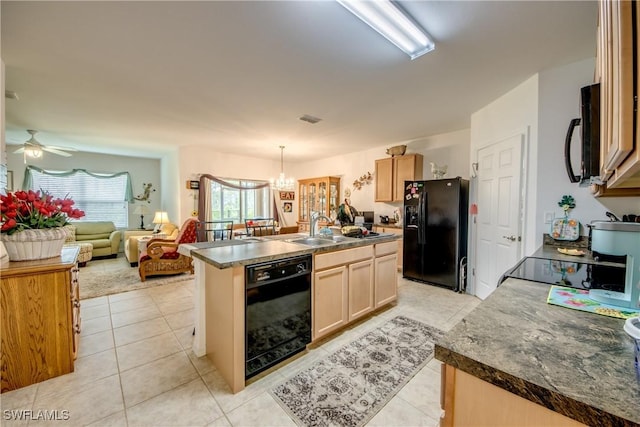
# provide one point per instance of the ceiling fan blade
(56, 151)
(61, 148)
(19, 150)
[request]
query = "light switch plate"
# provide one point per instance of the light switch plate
(549, 217)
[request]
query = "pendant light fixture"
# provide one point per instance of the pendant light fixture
(282, 183)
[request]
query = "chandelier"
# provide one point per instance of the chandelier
(282, 183)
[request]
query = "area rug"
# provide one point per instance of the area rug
(351, 385)
(113, 276)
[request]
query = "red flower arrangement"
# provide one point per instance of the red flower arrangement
(35, 210)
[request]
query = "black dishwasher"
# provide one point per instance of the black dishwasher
(277, 311)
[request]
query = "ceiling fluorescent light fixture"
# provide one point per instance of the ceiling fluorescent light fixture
(388, 20)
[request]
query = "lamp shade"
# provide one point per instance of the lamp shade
(141, 210)
(160, 217)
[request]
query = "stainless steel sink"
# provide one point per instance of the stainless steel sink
(314, 241)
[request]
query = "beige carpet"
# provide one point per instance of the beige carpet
(111, 276)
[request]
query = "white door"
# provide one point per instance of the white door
(498, 222)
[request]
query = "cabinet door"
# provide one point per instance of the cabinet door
(384, 180)
(329, 300)
(303, 209)
(386, 283)
(404, 169)
(616, 85)
(37, 340)
(360, 288)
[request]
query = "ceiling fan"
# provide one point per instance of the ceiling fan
(34, 149)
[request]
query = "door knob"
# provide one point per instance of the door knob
(510, 238)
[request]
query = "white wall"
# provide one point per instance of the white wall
(513, 113)
(559, 102)
(451, 149)
(195, 160)
(141, 170)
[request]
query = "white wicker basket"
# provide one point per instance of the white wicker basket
(30, 245)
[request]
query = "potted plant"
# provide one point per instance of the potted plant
(32, 224)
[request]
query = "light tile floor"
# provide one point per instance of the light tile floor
(136, 368)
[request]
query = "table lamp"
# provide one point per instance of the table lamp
(160, 218)
(141, 210)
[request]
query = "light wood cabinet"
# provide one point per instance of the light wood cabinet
(342, 288)
(399, 242)
(467, 400)
(386, 278)
(617, 46)
(351, 283)
(317, 195)
(330, 299)
(360, 289)
(40, 319)
(392, 172)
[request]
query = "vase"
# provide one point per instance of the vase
(28, 245)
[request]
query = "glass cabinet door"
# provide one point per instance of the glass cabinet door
(322, 198)
(313, 196)
(333, 200)
(304, 203)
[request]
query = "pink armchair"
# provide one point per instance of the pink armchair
(162, 257)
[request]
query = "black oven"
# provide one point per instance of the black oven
(278, 311)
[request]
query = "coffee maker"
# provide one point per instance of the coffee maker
(618, 242)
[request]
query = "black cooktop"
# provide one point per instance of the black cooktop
(569, 273)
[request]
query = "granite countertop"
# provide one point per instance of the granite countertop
(230, 253)
(575, 363)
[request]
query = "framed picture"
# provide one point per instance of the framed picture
(9, 180)
(287, 195)
(287, 207)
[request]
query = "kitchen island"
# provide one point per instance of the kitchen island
(350, 278)
(516, 360)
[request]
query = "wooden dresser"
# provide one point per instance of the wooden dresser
(40, 319)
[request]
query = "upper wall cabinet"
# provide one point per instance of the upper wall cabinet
(619, 137)
(392, 172)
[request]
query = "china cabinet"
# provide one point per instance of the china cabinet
(392, 172)
(317, 195)
(40, 319)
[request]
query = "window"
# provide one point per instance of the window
(102, 197)
(232, 204)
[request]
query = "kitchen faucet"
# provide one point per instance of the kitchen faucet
(315, 216)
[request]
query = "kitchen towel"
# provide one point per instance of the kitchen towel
(578, 299)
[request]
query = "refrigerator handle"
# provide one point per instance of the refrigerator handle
(422, 223)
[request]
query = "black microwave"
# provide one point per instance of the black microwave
(590, 163)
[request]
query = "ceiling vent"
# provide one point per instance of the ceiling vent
(310, 119)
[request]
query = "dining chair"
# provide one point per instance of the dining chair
(260, 226)
(216, 230)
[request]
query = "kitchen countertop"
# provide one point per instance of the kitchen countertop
(230, 253)
(575, 363)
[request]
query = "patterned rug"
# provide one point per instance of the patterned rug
(112, 276)
(350, 386)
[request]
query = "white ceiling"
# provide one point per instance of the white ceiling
(143, 77)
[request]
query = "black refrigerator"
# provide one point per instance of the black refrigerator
(435, 232)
